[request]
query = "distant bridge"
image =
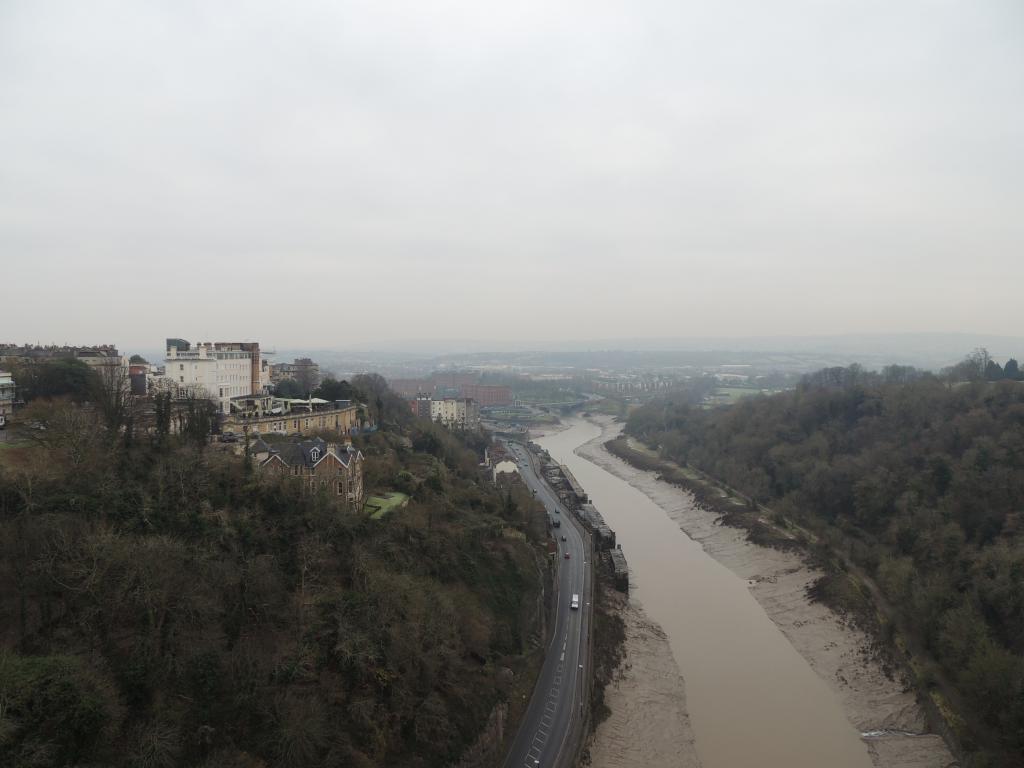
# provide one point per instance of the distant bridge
(563, 406)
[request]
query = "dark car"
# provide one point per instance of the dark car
(566, 555)
(563, 538)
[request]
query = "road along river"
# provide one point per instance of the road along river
(551, 727)
(752, 699)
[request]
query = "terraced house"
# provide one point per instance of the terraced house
(267, 415)
(319, 465)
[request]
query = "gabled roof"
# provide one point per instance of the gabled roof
(345, 455)
(301, 453)
(259, 446)
(274, 457)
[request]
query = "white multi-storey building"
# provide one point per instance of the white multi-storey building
(462, 413)
(218, 371)
(6, 397)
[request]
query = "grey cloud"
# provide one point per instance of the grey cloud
(619, 169)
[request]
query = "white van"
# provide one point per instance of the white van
(575, 602)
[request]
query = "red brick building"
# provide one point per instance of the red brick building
(487, 394)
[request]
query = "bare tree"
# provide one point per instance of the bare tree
(112, 393)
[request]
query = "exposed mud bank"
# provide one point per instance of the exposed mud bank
(546, 430)
(884, 710)
(648, 725)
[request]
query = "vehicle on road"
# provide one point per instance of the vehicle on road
(563, 538)
(566, 555)
(575, 604)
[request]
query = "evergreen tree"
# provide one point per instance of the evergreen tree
(1012, 370)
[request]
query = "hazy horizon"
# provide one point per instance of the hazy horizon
(354, 173)
(932, 351)
(929, 349)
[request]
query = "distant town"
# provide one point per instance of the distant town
(253, 395)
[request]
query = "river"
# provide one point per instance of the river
(752, 699)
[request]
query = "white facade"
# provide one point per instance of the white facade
(461, 413)
(505, 467)
(6, 397)
(265, 382)
(218, 374)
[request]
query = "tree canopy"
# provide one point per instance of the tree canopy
(333, 389)
(920, 480)
(290, 388)
(162, 606)
(63, 377)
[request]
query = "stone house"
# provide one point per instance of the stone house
(336, 468)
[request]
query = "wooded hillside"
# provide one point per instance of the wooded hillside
(162, 606)
(920, 480)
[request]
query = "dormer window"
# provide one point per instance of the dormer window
(315, 454)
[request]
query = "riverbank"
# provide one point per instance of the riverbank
(648, 724)
(884, 710)
(546, 430)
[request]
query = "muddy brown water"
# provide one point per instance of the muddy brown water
(753, 700)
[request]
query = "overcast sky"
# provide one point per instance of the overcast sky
(321, 173)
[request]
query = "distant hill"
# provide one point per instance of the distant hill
(925, 350)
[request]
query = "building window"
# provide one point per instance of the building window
(315, 454)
